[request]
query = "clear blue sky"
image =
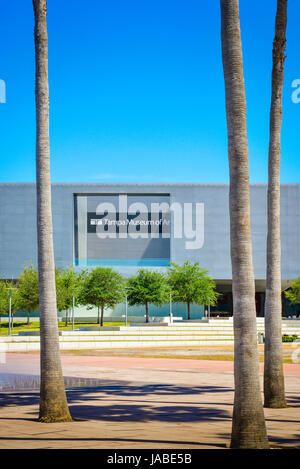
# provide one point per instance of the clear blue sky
(137, 93)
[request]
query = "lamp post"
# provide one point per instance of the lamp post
(126, 307)
(73, 312)
(9, 314)
(10, 321)
(170, 307)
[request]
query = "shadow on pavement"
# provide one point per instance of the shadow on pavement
(143, 413)
(88, 403)
(115, 389)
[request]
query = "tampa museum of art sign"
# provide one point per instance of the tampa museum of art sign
(133, 229)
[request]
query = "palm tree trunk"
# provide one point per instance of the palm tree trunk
(248, 424)
(273, 369)
(53, 403)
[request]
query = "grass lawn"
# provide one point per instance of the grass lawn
(35, 326)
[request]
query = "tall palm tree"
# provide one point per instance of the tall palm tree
(248, 424)
(273, 370)
(53, 403)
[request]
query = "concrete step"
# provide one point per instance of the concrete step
(193, 334)
(157, 328)
(134, 337)
(121, 338)
(136, 333)
(79, 345)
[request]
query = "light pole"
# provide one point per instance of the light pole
(9, 314)
(126, 307)
(73, 312)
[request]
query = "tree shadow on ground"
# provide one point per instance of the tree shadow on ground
(293, 400)
(291, 442)
(121, 389)
(148, 389)
(89, 403)
(143, 413)
(21, 398)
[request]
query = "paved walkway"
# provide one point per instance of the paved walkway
(141, 403)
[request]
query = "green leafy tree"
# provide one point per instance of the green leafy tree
(60, 291)
(13, 287)
(101, 287)
(68, 285)
(5, 288)
(4, 297)
(28, 290)
(147, 287)
(190, 284)
(293, 294)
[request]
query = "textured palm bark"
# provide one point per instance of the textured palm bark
(273, 370)
(248, 424)
(53, 403)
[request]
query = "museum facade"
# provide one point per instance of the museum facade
(129, 226)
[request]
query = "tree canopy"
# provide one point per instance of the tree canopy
(147, 287)
(68, 285)
(293, 294)
(4, 297)
(102, 287)
(28, 290)
(191, 284)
